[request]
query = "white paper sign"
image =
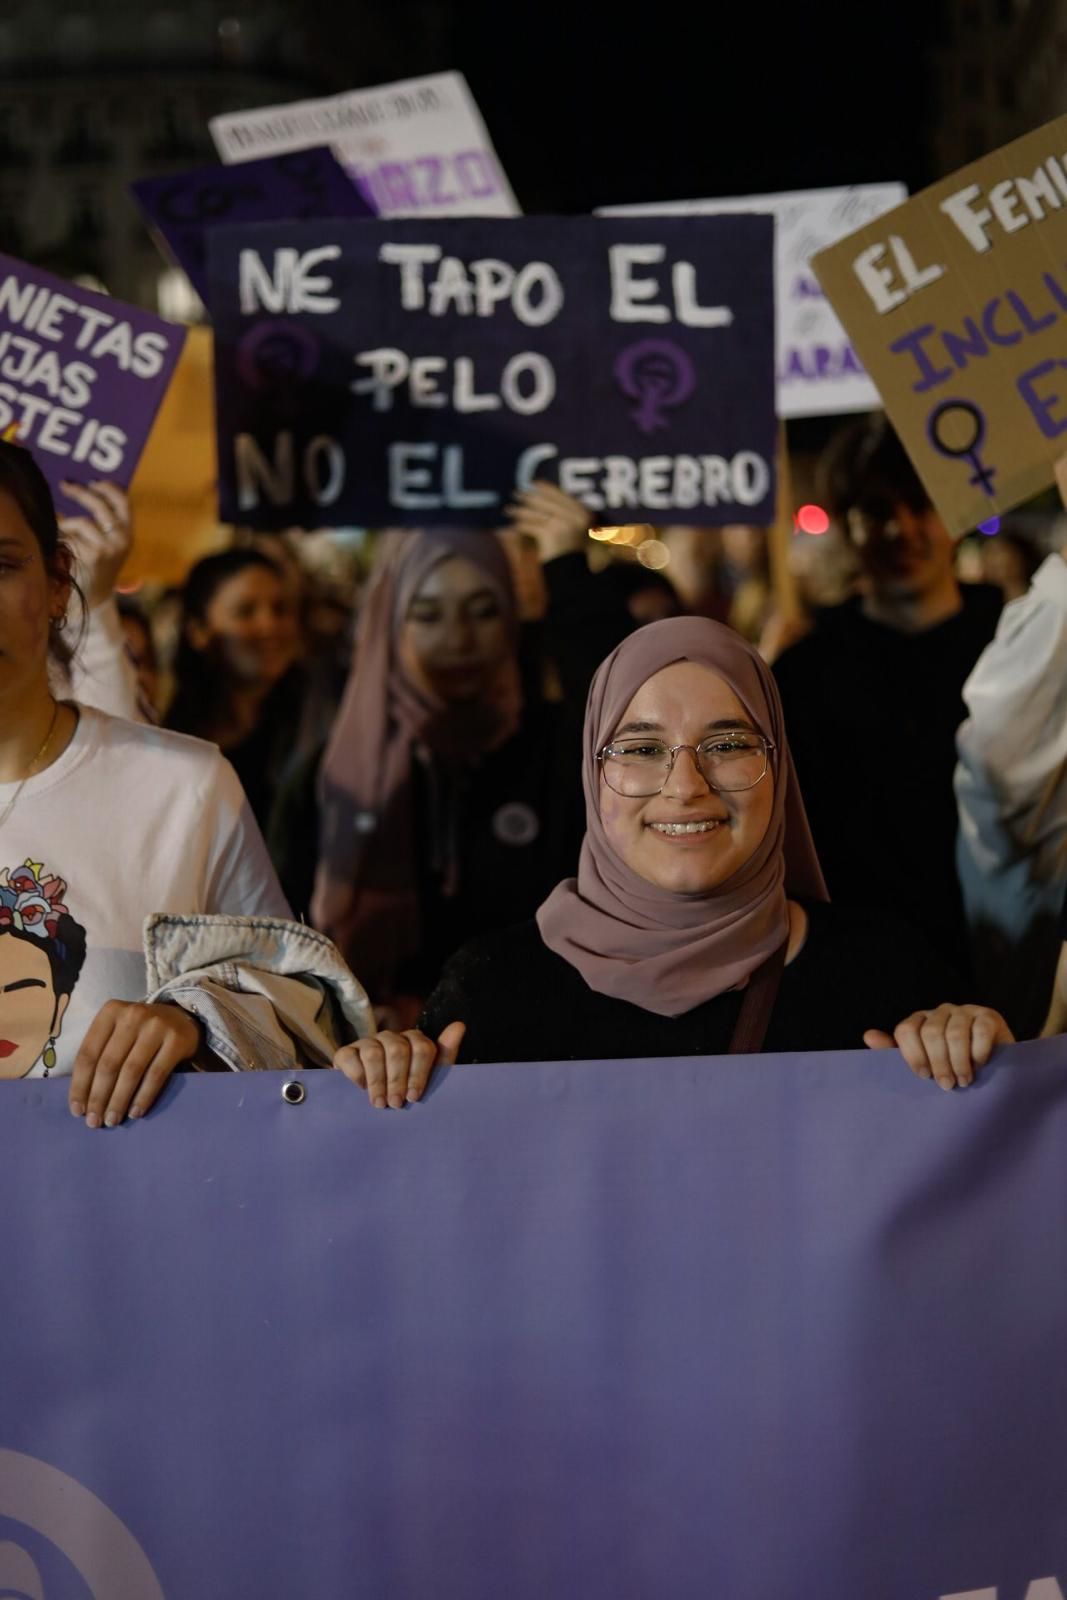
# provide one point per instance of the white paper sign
(417, 149)
(819, 373)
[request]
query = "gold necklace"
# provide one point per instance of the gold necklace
(33, 765)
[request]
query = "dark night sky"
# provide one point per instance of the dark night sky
(711, 99)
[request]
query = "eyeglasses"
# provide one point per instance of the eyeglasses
(729, 763)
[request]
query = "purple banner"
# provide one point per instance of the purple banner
(411, 372)
(668, 1330)
(81, 376)
(184, 206)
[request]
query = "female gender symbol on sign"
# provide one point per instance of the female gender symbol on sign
(659, 375)
(968, 448)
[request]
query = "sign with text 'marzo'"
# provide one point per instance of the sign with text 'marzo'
(407, 372)
(957, 304)
(416, 148)
(81, 376)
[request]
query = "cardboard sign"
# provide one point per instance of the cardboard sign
(957, 304)
(819, 372)
(182, 207)
(417, 149)
(81, 376)
(420, 372)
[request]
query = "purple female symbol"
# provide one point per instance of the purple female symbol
(983, 475)
(659, 375)
(277, 354)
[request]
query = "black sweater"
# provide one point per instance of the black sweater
(522, 1002)
(871, 714)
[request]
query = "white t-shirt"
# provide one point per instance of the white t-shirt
(129, 821)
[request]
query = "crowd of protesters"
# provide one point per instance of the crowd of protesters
(522, 802)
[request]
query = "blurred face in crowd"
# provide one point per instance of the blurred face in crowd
(454, 636)
(744, 547)
(689, 838)
(29, 597)
(651, 605)
(250, 625)
(141, 651)
(905, 550)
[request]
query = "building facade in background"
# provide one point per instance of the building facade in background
(92, 97)
(1002, 72)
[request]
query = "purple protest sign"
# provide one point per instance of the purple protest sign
(405, 372)
(688, 1328)
(81, 376)
(301, 184)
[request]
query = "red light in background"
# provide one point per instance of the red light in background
(812, 519)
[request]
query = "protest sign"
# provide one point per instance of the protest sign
(819, 373)
(419, 372)
(956, 303)
(81, 375)
(182, 207)
(689, 1328)
(417, 148)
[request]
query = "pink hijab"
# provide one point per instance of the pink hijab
(662, 951)
(366, 889)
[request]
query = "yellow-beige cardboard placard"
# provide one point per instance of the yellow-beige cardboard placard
(957, 304)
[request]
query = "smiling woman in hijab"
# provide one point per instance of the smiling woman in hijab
(447, 806)
(698, 923)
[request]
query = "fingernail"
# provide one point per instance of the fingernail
(77, 1109)
(111, 1120)
(378, 1102)
(396, 1101)
(413, 1095)
(92, 1120)
(135, 1112)
(948, 1087)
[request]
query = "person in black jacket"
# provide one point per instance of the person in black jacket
(874, 695)
(698, 923)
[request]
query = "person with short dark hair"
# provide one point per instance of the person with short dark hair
(873, 695)
(238, 682)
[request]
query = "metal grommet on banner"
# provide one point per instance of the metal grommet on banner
(293, 1093)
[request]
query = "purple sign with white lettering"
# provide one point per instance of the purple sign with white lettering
(410, 372)
(685, 1329)
(301, 184)
(81, 376)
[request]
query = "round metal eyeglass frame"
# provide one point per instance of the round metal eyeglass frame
(694, 750)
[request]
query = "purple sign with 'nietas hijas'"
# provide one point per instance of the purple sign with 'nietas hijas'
(301, 184)
(81, 376)
(406, 372)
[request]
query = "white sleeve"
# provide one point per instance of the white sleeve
(241, 880)
(102, 674)
(1013, 746)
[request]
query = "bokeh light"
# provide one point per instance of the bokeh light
(653, 553)
(812, 519)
